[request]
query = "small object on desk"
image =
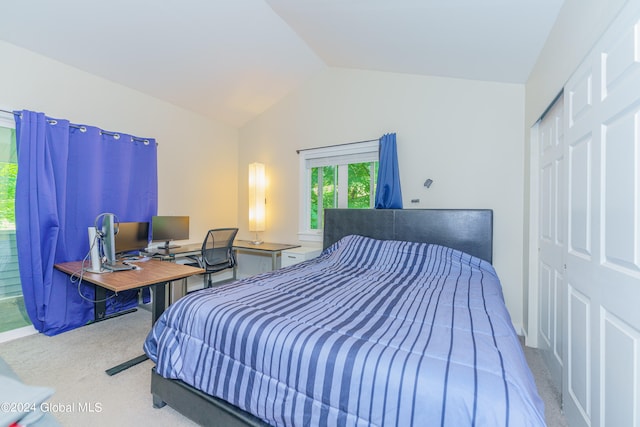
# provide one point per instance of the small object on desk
(117, 266)
(138, 259)
(133, 266)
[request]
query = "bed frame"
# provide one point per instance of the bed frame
(469, 230)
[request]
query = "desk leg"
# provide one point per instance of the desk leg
(159, 301)
(100, 306)
(157, 308)
(274, 261)
(235, 265)
(126, 365)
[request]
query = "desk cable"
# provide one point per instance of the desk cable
(77, 276)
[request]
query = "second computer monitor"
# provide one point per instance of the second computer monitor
(169, 228)
(132, 236)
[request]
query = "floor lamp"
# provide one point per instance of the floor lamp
(257, 201)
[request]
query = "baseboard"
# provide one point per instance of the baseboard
(17, 333)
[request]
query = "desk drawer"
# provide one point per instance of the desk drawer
(290, 259)
(296, 255)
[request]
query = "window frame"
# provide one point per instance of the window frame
(8, 121)
(337, 155)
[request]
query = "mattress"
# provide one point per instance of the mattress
(370, 333)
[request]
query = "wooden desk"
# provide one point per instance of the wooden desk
(152, 273)
(273, 249)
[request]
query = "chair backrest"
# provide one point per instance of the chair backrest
(217, 247)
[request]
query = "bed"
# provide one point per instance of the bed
(400, 321)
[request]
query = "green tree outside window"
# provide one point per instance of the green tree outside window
(361, 178)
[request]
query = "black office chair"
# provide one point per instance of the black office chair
(217, 252)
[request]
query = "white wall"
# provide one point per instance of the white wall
(197, 158)
(579, 25)
(465, 135)
(576, 30)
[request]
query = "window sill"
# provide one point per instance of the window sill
(310, 236)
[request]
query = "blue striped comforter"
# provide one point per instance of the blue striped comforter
(369, 333)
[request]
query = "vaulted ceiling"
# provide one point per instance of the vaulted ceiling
(230, 60)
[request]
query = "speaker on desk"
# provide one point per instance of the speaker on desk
(96, 265)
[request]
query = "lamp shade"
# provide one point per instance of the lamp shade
(257, 205)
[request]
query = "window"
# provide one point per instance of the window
(8, 173)
(341, 176)
(13, 313)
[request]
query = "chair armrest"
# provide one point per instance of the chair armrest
(197, 259)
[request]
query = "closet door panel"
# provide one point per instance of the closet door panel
(603, 225)
(620, 219)
(551, 239)
(580, 197)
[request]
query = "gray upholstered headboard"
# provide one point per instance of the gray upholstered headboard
(468, 230)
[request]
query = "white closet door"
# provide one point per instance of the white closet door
(601, 379)
(551, 238)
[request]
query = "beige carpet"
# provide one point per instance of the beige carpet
(548, 392)
(74, 363)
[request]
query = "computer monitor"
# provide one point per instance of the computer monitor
(169, 228)
(107, 223)
(108, 239)
(132, 236)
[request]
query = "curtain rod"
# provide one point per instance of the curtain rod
(84, 128)
(546, 110)
(337, 145)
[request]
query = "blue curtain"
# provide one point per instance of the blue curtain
(388, 193)
(68, 175)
